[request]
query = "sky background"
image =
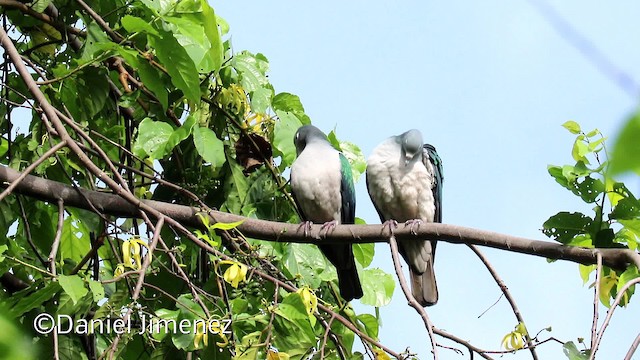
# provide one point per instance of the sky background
(489, 84)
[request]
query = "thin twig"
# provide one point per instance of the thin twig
(605, 323)
(136, 292)
(52, 265)
(633, 348)
(507, 294)
(412, 301)
(596, 301)
(31, 167)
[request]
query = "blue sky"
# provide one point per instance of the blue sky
(489, 84)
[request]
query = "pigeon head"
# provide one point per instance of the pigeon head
(411, 143)
(305, 135)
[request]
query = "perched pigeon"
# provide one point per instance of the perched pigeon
(322, 186)
(404, 179)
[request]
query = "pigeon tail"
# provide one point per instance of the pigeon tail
(423, 286)
(349, 283)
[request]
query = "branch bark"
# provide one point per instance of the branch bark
(115, 205)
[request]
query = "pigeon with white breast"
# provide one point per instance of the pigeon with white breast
(404, 179)
(322, 186)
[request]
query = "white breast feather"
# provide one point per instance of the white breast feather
(316, 181)
(401, 192)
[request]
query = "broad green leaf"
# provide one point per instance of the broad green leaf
(3, 248)
(97, 43)
(377, 286)
(154, 81)
(97, 290)
(572, 126)
(179, 65)
(73, 285)
(180, 134)
(370, 323)
(626, 209)
(252, 70)
(74, 242)
(284, 131)
(93, 81)
(629, 274)
(590, 189)
(626, 149)
(260, 99)
(39, 5)
(572, 352)
(34, 299)
(364, 253)
(563, 226)
(152, 139)
(209, 146)
(215, 53)
(290, 103)
(580, 150)
(135, 24)
(292, 327)
(307, 261)
(585, 271)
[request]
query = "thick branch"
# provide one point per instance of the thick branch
(115, 205)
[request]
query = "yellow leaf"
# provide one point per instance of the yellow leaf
(309, 299)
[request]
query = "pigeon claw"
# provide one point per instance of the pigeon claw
(328, 226)
(390, 224)
(306, 225)
(414, 224)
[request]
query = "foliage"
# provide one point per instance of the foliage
(616, 219)
(160, 100)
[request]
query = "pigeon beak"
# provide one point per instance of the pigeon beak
(407, 159)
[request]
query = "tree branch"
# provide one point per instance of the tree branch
(115, 205)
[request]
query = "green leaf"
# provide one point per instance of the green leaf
(580, 150)
(563, 226)
(135, 24)
(3, 248)
(627, 209)
(74, 287)
(572, 126)
(629, 274)
(35, 299)
(572, 352)
(290, 103)
(180, 134)
(97, 43)
(226, 226)
(209, 146)
(154, 80)
(370, 323)
(292, 326)
(39, 5)
(377, 286)
(252, 70)
(307, 262)
(179, 65)
(590, 189)
(285, 130)
(97, 290)
(74, 242)
(152, 139)
(364, 253)
(585, 272)
(626, 149)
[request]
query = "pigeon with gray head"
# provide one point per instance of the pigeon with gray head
(322, 186)
(404, 180)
